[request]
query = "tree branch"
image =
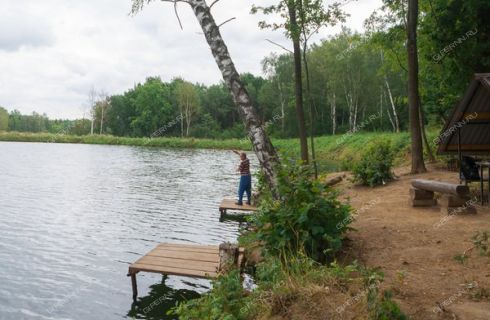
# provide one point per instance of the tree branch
(177, 15)
(231, 19)
(213, 3)
(280, 46)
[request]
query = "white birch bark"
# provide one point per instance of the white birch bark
(383, 95)
(395, 115)
(261, 143)
(333, 107)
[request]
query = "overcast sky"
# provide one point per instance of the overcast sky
(53, 51)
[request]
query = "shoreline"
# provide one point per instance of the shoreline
(332, 152)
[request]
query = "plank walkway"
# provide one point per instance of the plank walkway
(229, 204)
(197, 261)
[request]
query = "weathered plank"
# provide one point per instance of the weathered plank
(229, 204)
(171, 271)
(193, 256)
(204, 249)
(178, 263)
(180, 260)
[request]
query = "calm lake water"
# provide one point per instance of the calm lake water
(73, 217)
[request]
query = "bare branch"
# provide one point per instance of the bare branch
(282, 47)
(177, 15)
(231, 19)
(213, 3)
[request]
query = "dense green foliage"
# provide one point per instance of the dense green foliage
(358, 82)
(4, 119)
(226, 301)
(295, 231)
(376, 164)
(41, 123)
(291, 289)
(331, 154)
(305, 219)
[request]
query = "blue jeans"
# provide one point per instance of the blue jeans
(245, 186)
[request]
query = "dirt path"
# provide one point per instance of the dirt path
(415, 248)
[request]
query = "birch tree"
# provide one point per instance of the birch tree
(261, 143)
(92, 99)
(188, 101)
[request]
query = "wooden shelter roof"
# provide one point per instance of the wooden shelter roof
(471, 117)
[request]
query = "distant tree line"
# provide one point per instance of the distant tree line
(358, 82)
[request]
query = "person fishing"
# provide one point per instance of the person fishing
(245, 178)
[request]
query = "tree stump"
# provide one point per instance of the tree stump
(228, 256)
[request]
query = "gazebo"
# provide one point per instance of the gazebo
(467, 131)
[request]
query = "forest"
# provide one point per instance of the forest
(358, 82)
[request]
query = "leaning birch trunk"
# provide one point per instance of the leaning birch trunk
(383, 95)
(261, 143)
(283, 103)
(395, 115)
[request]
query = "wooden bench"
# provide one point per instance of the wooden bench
(455, 197)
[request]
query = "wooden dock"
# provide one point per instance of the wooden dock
(229, 204)
(197, 261)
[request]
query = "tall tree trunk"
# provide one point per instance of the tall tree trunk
(283, 105)
(266, 154)
(298, 86)
(348, 99)
(418, 165)
(395, 115)
(101, 116)
(181, 121)
(334, 113)
(387, 84)
(383, 95)
(310, 103)
(381, 108)
(355, 114)
(188, 124)
(428, 149)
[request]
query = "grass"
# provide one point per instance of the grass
(303, 289)
(331, 150)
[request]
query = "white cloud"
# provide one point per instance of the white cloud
(53, 51)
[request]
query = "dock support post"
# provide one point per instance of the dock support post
(134, 285)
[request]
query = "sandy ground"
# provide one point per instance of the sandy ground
(415, 249)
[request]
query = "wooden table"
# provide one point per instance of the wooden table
(482, 165)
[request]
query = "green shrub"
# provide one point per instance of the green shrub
(375, 166)
(384, 308)
(225, 301)
(308, 218)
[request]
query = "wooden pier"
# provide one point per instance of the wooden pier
(197, 261)
(229, 204)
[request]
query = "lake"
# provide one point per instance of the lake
(73, 217)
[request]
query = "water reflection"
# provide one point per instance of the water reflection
(157, 305)
(75, 216)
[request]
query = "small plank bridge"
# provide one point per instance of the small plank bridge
(197, 261)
